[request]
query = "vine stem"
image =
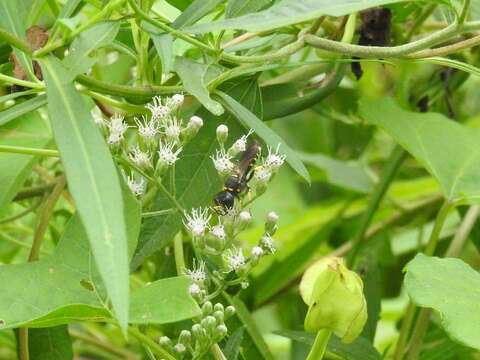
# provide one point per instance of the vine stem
(42, 226)
(320, 345)
(453, 250)
(144, 339)
(394, 162)
(25, 83)
(429, 251)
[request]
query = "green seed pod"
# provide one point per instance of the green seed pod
(335, 298)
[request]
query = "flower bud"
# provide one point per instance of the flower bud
(244, 219)
(222, 133)
(192, 128)
(219, 316)
(218, 307)
(196, 292)
(271, 223)
(185, 337)
(209, 323)
(199, 332)
(207, 308)
(179, 348)
(222, 330)
(229, 311)
(335, 298)
(165, 342)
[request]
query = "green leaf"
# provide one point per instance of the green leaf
(289, 12)
(12, 19)
(348, 175)
(193, 171)
(79, 58)
(164, 46)
(232, 347)
(448, 150)
(180, 4)
(450, 287)
(52, 343)
(69, 8)
(195, 11)
(22, 108)
(241, 7)
(29, 130)
(93, 181)
(193, 76)
(71, 288)
(271, 138)
(360, 349)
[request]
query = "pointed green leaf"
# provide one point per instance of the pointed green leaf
(447, 149)
(195, 11)
(79, 58)
(93, 181)
(450, 287)
(288, 12)
(193, 76)
(164, 46)
(22, 108)
(237, 8)
(249, 120)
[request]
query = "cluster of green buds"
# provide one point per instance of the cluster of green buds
(207, 330)
(157, 141)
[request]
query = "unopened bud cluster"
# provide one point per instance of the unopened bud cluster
(157, 140)
(208, 329)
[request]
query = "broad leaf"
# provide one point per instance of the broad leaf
(344, 174)
(360, 349)
(22, 108)
(249, 120)
(93, 181)
(79, 58)
(30, 130)
(288, 12)
(241, 7)
(447, 149)
(72, 289)
(450, 287)
(195, 11)
(52, 343)
(193, 171)
(193, 76)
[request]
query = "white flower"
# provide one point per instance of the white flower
(268, 244)
(158, 110)
(197, 274)
(257, 251)
(97, 116)
(241, 144)
(272, 217)
(274, 160)
(172, 128)
(197, 221)
(137, 187)
(245, 216)
(117, 128)
(179, 348)
(235, 259)
(218, 231)
(194, 290)
(166, 154)
(147, 129)
(222, 162)
(140, 158)
(262, 174)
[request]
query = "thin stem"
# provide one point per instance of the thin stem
(404, 331)
(144, 339)
(15, 41)
(464, 12)
(217, 352)
(158, 213)
(22, 338)
(437, 227)
(125, 354)
(130, 108)
(22, 213)
(240, 39)
(33, 191)
(394, 162)
(445, 50)
(29, 151)
(25, 83)
(178, 252)
(320, 345)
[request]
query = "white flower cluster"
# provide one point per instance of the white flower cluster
(158, 140)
